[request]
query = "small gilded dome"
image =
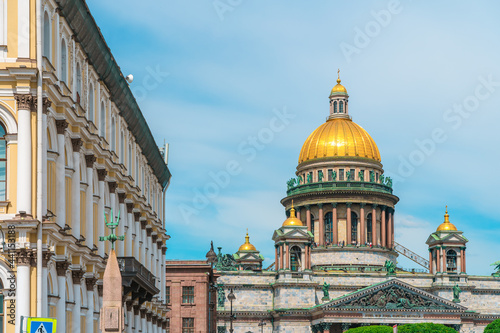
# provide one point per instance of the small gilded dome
(292, 220)
(247, 246)
(446, 225)
(338, 88)
(339, 137)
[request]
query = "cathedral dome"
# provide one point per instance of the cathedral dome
(338, 88)
(247, 246)
(446, 225)
(339, 137)
(292, 221)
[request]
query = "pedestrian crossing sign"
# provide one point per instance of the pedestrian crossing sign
(42, 325)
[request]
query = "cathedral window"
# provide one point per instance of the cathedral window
(335, 107)
(312, 224)
(103, 121)
(354, 228)
(451, 261)
(187, 325)
(341, 107)
(167, 294)
(91, 103)
(328, 228)
(187, 295)
(113, 134)
(295, 260)
(330, 175)
(46, 36)
(64, 61)
(78, 83)
(369, 224)
(341, 174)
(3, 164)
(351, 174)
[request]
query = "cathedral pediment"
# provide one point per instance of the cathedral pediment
(248, 256)
(291, 233)
(392, 295)
(453, 237)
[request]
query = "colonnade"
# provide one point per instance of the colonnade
(438, 256)
(283, 259)
(362, 210)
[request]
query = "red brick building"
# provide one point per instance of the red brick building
(191, 296)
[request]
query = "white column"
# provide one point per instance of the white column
(61, 175)
(45, 298)
(150, 326)
(89, 319)
(23, 29)
(121, 226)
(89, 202)
(138, 238)
(101, 174)
(144, 325)
(23, 284)
(24, 163)
(61, 302)
(144, 247)
(44, 162)
(137, 317)
(75, 189)
(163, 277)
(153, 261)
(130, 320)
(130, 230)
(58, 48)
(76, 314)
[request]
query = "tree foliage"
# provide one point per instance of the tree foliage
(370, 329)
(493, 327)
(425, 328)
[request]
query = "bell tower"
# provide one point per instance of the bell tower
(447, 252)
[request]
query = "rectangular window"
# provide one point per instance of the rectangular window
(351, 174)
(167, 295)
(362, 175)
(376, 177)
(187, 295)
(330, 175)
(187, 325)
(341, 174)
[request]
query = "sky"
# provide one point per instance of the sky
(213, 77)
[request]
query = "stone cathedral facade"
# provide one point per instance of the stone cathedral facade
(335, 252)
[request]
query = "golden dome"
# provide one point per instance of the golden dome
(247, 246)
(338, 88)
(446, 225)
(339, 137)
(292, 220)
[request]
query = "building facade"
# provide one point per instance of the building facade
(75, 153)
(191, 296)
(335, 253)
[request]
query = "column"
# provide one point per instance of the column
(130, 230)
(60, 174)
(137, 316)
(362, 239)
(112, 202)
(89, 319)
(24, 144)
(308, 217)
(335, 225)
(321, 226)
(130, 317)
(392, 229)
(121, 226)
(375, 241)
(383, 232)
(443, 252)
(138, 238)
(430, 262)
(298, 212)
(463, 260)
(276, 263)
(89, 202)
(144, 246)
(23, 284)
(101, 175)
(159, 268)
(76, 314)
(287, 256)
(46, 105)
(75, 188)
(149, 322)
(149, 253)
(389, 230)
(163, 271)
(348, 224)
(307, 256)
(61, 267)
(45, 277)
(282, 249)
(144, 324)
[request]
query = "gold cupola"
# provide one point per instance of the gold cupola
(292, 221)
(446, 225)
(338, 89)
(247, 246)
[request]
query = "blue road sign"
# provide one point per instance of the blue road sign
(42, 325)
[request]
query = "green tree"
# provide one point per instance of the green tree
(370, 329)
(425, 328)
(493, 327)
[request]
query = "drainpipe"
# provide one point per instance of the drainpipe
(39, 198)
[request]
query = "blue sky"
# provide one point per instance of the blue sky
(211, 77)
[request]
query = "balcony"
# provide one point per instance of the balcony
(136, 279)
(339, 186)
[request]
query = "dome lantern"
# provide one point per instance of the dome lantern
(339, 100)
(247, 246)
(446, 225)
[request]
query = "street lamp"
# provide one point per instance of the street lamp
(211, 259)
(231, 298)
(261, 324)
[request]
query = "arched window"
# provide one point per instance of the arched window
(113, 134)
(91, 102)
(295, 259)
(46, 35)
(64, 61)
(369, 224)
(3, 164)
(136, 169)
(335, 107)
(354, 228)
(103, 121)
(328, 228)
(129, 166)
(78, 83)
(341, 107)
(451, 261)
(122, 148)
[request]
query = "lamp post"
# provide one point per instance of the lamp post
(211, 259)
(231, 298)
(261, 324)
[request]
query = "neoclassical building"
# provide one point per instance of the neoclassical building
(335, 253)
(75, 152)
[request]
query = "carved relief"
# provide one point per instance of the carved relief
(112, 187)
(61, 126)
(90, 160)
(62, 267)
(77, 144)
(101, 174)
(77, 276)
(90, 283)
(24, 101)
(24, 257)
(121, 197)
(130, 207)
